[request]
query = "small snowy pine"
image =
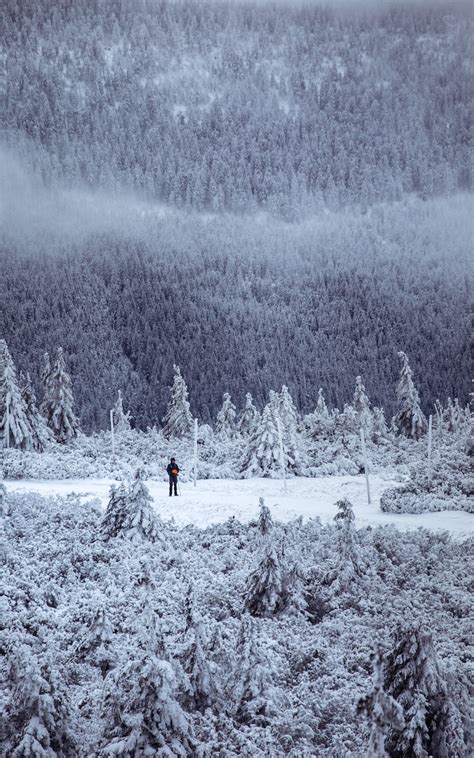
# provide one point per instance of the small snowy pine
(178, 421)
(382, 711)
(116, 512)
(226, 418)
(410, 420)
(121, 419)
(248, 418)
(265, 590)
(141, 521)
(262, 454)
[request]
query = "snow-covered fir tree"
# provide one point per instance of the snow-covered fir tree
(178, 421)
(350, 567)
(58, 402)
(36, 719)
(95, 645)
(140, 521)
(412, 677)
(15, 430)
(265, 590)
(141, 712)
(248, 418)
(379, 432)
(361, 405)
(319, 423)
(121, 419)
(201, 688)
(262, 454)
(226, 426)
(252, 691)
(382, 711)
(289, 423)
(116, 513)
(410, 419)
(41, 435)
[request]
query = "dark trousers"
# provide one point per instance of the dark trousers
(173, 483)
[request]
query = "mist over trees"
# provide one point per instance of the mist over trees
(265, 195)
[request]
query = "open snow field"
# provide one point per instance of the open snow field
(216, 500)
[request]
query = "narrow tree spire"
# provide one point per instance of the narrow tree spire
(178, 421)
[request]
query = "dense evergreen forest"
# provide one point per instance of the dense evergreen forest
(264, 194)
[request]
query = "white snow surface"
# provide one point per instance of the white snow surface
(215, 500)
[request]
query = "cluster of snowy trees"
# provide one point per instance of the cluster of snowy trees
(123, 635)
(240, 105)
(260, 443)
(22, 424)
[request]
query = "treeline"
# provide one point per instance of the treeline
(240, 105)
(247, 306)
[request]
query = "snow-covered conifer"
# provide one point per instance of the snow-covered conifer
(96, 643)
(116, 512)
(361, 405)
(194, 661)
(320, 422)
(265, 591)
(262, 454)
(289, 421)
(412, 677)
(121, 419)
(36, 714)
(248, 418)
(178, 421)
(141, 712)
(253, 697)
(410, 420)
(382, 711)
(225, 421)
(379, 431)
(350, 566)
(15, 431)
(140, 521)
(58, 402)
(40, 433)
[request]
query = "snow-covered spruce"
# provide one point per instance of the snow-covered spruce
(382, 711)
(58, 400)
(41, 435)
(15, 430)
(178, 421)
(410, 419)
(120, 418)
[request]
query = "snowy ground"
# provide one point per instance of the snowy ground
(215, 500)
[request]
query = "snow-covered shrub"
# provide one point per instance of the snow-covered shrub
(449, 486)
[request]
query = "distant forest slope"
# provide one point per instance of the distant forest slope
(248, 307)
(263, 193)
(241, 105)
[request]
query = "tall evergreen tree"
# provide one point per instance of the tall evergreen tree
(178, 421)
(412, 677)
(253, 691)
(262, 454)
(382, 711)
(40, 433)
(121, 419)
(361, 405)
(15, 430)
(410, 420)
(226, 418)
(193, 658)
(248, 418)
(58, 402)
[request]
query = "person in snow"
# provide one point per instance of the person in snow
(173, 471)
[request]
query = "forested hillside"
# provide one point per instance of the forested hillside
(264, 194)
